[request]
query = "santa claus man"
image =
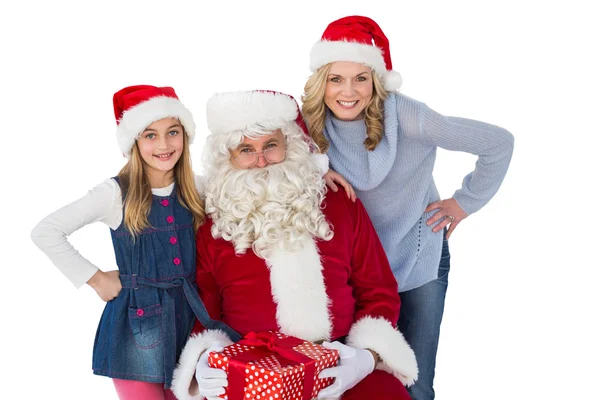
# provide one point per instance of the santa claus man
(280, 252)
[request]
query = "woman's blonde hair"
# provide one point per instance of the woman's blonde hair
(138, 198)
(314, 109)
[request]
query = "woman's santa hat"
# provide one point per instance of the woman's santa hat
(356, 39)
(136, 107)
(229, 112)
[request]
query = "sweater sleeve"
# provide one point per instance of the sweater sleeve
(493, 146)
(102, 203)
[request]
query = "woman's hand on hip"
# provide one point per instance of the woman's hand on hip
(449, 213)
(106, 284)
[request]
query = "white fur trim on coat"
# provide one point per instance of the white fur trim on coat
(232, 111)
(298, 289)
(136, 119)
(184, 384)
(322, 161)
(325, 52)
(379, 335)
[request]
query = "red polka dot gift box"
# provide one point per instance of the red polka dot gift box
(273, 366)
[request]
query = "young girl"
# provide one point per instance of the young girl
(385, 144)
(154, 210)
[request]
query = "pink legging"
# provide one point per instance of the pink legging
(136, 390)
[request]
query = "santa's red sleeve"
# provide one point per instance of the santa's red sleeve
(185, 385)
(377, 302)
(209, 291)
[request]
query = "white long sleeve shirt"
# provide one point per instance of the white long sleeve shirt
(103, 204)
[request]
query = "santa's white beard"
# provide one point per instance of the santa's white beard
(263, 207)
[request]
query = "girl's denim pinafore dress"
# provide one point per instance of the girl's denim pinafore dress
(143, 330)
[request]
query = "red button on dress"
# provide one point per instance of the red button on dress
(165, 202)
(170, 219)
(139, 312)
(173, 240)
(176, 261)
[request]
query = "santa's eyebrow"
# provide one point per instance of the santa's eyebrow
(245, 146)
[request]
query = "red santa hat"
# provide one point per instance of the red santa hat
(228, 112)
(136, 107)
(356, 39)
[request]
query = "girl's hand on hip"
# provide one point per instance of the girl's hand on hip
(332, 177)
(449, 213)
(106, 284)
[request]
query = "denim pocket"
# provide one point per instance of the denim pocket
(146, 326)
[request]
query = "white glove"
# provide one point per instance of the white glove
(211, 381)
(354, 366)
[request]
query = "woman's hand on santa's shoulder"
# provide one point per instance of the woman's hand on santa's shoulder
(332, 178)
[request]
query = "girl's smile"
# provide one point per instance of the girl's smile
(164, 156)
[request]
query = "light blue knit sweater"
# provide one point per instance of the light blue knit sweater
(395, 181)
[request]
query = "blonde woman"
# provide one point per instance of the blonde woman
(384, 144)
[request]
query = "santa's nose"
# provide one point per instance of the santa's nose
(262, 162)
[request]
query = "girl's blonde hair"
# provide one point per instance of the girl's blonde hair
(138, 198)
(314, 109)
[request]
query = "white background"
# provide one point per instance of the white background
(522, 305)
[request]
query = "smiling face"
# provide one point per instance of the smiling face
(348, 90)
(161, 146)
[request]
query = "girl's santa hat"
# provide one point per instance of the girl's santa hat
(136, 107)
(356, 39)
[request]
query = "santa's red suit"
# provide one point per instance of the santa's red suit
(342, 288)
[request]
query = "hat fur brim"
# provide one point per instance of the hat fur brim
(325, 52)
(135, 120)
